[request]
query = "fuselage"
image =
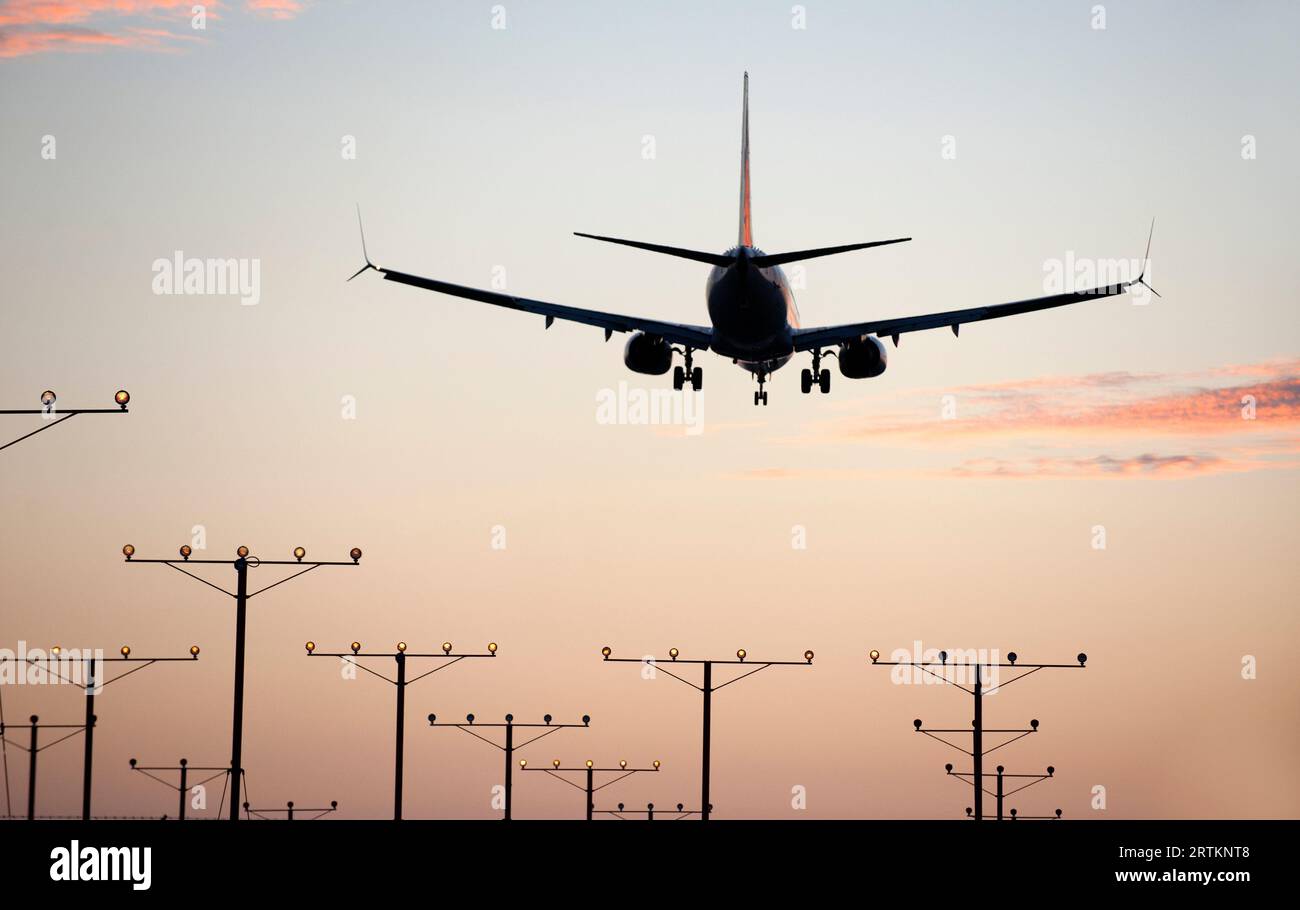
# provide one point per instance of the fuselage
(753, 313)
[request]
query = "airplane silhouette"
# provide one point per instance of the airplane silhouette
(752, 313)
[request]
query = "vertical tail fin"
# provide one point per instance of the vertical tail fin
(746, 226)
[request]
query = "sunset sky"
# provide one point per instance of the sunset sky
(955, 501)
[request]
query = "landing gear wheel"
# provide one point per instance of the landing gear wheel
(816, 376)
(760, 395)
(679, 378)
(697, 378)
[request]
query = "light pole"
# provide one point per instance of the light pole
(977, 691)
(34, 749)
(289, 810)
(1001, 776)
(707, 688)
(54, 416)
(649, 812)
(1054, 818)
(184, 768)
(89, 662)
(510, 746)
(591, 771)
(243, 562)
(977, 753)
(400, 656)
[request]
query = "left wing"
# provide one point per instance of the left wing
(810, 338)
(695, 336)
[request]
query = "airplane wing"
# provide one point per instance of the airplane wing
(822, 336)
(695, 336)
(807, 339)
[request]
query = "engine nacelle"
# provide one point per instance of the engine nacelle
(862, 359)
(646, 354)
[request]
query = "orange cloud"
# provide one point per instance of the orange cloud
(277, 9)
(40, 26)
(21, 42)
(70, 12)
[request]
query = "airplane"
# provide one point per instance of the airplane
(752, 314)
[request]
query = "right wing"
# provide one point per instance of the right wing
(807, 339)
(811, 338)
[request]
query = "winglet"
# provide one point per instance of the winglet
(364, 254)
(1146, 258)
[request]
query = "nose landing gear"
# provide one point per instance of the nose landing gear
(760, 397)
(688, 374)
(816, 376)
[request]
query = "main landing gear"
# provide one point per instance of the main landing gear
(816, 376)
(760, 397)
(688, 374)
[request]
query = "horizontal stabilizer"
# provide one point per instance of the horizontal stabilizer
(765, 261)
(710, 258)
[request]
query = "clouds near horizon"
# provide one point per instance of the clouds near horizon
(1240, 417)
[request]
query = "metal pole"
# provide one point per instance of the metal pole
(31, 775)
(237, 735)
(999, 793)
(591, 796)
(88, 761)
(184, 787)
(290, 816)
(708, 719)
(401, 731)
(977, 750)
(510, 758)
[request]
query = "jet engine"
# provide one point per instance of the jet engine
(648, 354)
(862, 359)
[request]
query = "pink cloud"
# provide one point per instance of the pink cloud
(1146, 465)
(1231, 461)
(1235, 418)
(1071, 409)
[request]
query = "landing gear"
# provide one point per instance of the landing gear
(816, 376)
(688, 374)
(760, 397)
